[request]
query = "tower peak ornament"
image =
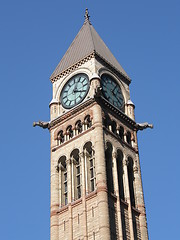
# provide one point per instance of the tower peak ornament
(87, 16)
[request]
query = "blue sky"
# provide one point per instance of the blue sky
(145, 38)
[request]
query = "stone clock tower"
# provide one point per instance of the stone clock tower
(96, 186)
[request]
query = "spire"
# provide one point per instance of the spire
(87, 16)
(86, 43)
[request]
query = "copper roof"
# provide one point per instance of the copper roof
(85, 43)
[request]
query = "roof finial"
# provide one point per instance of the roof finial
(87, 16)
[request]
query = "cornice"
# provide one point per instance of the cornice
(123, 143)
(73, 67)
(72, 112)
(107, 64)
(100, 59)
(116, 112)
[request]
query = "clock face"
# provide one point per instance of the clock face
(112, 91)
(75, 90)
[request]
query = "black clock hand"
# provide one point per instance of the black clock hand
(113, 89)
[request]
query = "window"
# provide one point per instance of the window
(120, 173)
(78, 127)
(69, 132)
(128, 137)
(89, 161)
(87, 122)
(78, 179)
(131, 181)
(77, 175)
(60, 137)
(109, 173)
(114, 127)
(121, 133)
(63, 181)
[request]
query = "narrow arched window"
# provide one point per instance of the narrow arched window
(114, 127)
(128, 137)
(120, 174)
(131, 181)
(69, 132)
(60, 137)
(121, 133)
(109, 173)
(63, 187)
(77, 176)
(78, 127)
(89, 159)
(87, 122)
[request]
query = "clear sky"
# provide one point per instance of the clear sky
(144, 36)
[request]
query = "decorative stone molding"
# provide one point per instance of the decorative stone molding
(72, 68)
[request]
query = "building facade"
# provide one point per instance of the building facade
(96, 186)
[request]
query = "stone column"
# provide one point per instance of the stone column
(140, 200)
(101, 174)
(125, 136)
(60, 184)
(86, 173)
(116, 189)
(126, 184)
(54, 199)
(84, 225)
(72, 177)
(69, 177)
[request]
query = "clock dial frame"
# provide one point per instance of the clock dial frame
(112, 91)
(75, 90)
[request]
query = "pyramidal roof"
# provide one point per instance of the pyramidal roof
(85, 43)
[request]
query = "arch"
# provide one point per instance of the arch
(60, 137)
(62, 160)
(121, 133)
(64, 81)
(87, 121)
(109, 173)
(78, 127)
(77, 174)
(104, 70)
(120, 173)
(63, 183)
(89, 159)
(107, 121)
(128, 137)
(131, 180)
(114, 127)
(69, 132)
(110, 186)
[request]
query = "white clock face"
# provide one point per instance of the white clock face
(75, 90)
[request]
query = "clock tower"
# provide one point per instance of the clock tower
(96, 186)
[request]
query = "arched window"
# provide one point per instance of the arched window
(120, 173)
(109, 173)
(121, 133)
(128, 137)
(60, 137)
(87, 122)
(78, 127)
(63, 181)
(114, 127)
(69, 132)
(89, 160)
(131, 181)
(77, 177)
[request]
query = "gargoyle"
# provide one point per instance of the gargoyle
(142, 126)
(41, 124)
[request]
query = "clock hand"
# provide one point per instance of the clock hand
(76, 90)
